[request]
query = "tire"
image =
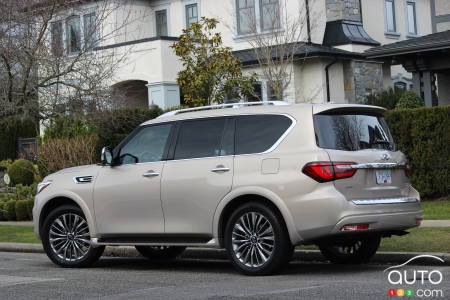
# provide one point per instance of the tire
(351, 252)
(160, 252)
(267, 233)
(66, 239)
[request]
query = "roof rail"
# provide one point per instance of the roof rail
(224, 105)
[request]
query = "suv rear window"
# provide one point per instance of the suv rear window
(352, 132)
(257, 133)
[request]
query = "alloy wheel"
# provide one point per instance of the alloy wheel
(69, 237)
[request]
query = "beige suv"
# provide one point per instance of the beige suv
(254, 178)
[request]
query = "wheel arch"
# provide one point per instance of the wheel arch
(60, 200)
(237, 198)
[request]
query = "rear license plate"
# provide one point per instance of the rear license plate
(383, 176)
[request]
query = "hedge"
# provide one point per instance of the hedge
(423, 134)
(13, 128)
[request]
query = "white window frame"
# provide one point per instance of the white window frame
(67, 35)
(416, 18)
(191, 2)
(258, 20)
(388, 32)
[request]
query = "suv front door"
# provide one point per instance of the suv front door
(197, 176)
(127, 198)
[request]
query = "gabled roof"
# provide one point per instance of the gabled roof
(426, 43)
(302, 50)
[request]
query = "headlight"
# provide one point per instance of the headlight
(42, 186)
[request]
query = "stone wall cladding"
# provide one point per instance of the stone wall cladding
(343, 10)
(442, 7)
(368, 79)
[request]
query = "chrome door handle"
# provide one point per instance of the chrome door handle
(221, 169)
(150, 174)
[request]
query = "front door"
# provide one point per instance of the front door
(198, 177)
(127, 198)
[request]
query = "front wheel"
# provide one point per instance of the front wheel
(66, 238)
(351, 252)
(160, 252)
(257, 241)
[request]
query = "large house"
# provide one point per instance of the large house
(342, 58)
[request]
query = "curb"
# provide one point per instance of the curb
(212, 253)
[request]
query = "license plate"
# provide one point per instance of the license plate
(383, 176)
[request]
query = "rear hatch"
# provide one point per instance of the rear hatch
(361, 137)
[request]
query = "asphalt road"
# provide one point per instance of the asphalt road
(33, 276)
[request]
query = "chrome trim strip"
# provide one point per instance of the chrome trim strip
(224, 105)
(386, 201)
(83, 179)
(372, 166)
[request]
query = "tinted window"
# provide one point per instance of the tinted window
(147, 145)
(199, 138)
(352, 132)
(255, 134)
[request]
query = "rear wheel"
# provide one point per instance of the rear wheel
(66, 238)
(351, 252)
(257, 241)
(160, 252)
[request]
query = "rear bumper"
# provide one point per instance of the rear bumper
(380, 221)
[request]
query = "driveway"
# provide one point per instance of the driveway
(33, 276)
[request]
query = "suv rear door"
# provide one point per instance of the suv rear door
(197, 175)
(361, 136)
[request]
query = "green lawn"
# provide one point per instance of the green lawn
(436, 210)
(419, 239)
(17, 234)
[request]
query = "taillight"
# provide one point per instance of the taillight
(408, 169)
(329, 171)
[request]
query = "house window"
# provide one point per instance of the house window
(257, 94)
(245, 16)
(412, 20)
(270, 14)
(90, 32)
(73, 35)
(191, 14)
(161, 23)
(390, 16)
(57, 38)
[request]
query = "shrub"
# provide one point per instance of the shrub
(409, 100)
(30, 204)
(57, 154)
(114, 125)
(67, 127)
(21, 210)
(10, 210)
(387, 99)
(21, 172)
(2, 211)
(423, 135)
(13, 128)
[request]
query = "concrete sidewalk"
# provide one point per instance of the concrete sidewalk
(212, 253)
(425, 223)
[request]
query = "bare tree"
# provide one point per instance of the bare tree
(277, 37)
(44, 73)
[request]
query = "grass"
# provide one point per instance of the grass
(419, 239)
(17, 234)
(436, 210)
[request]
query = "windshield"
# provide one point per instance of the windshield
(352, 132)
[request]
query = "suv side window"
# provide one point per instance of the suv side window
(257, 133)
(147, 145)
(199, 138)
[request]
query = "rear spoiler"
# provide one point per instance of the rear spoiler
(347, 108)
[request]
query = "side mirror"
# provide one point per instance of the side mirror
(106, 156)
